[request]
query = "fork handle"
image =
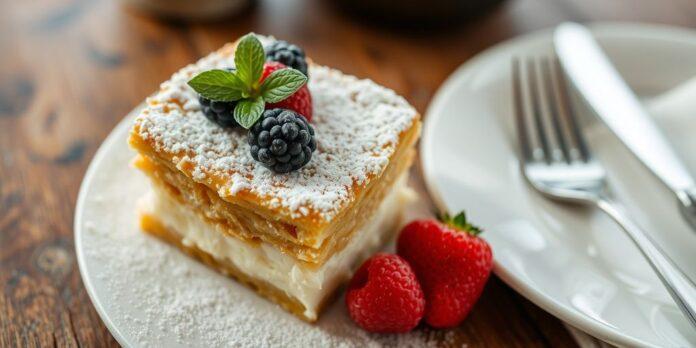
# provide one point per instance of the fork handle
(679, 286)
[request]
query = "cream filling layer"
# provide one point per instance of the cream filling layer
(308, 286)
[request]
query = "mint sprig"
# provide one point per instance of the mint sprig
(244, 84)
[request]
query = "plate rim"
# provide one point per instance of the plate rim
(78, 227)
(433, 113)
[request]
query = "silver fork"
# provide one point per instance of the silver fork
(557, 162)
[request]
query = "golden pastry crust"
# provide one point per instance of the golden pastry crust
(359, 125)
(249, 224)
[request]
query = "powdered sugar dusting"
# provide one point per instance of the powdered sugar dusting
(357, 125)
(156, 296)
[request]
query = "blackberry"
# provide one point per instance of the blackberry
(282, 140)
(219, 112)
(290, 55)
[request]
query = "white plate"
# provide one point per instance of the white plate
(574, 263)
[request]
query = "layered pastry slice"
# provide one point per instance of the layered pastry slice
(291, 237)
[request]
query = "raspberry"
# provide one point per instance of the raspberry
(288, 54)
(384, 295)
(300, 101)
(282, 140)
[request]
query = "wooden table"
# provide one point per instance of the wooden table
(71, 69)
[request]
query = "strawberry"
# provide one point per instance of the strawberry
(452, 264)
(300, 101)
(384, 295)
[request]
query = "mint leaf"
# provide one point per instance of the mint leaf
(248, 111)
(218, 85)
(281, 84)
(248, 60)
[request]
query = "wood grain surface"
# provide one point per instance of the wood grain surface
(71, 69)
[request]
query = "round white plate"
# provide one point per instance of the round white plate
(573, 262)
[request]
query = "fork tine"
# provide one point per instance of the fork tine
(569, 115)
(522, 132)
(536, 98)
(553, 107)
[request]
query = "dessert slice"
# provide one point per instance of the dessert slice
(292, 237)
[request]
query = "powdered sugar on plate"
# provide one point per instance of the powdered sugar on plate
(150, 294)
(357, 125)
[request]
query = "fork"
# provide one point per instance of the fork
(556, 161)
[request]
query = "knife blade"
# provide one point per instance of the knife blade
(600, 84)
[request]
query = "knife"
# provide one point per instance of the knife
(607, 93)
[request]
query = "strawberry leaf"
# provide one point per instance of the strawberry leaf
(248, 111)
(459, 222)
(248, 59)
(218, 85)
(281, 84)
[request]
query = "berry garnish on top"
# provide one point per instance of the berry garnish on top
(288, 54)
(452, 264)
(244, 85)
(300, 101)
(384, 295)
(282, 140)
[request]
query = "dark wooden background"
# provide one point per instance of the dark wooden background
(71, 69)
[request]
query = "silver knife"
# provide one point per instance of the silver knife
(607, 93)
